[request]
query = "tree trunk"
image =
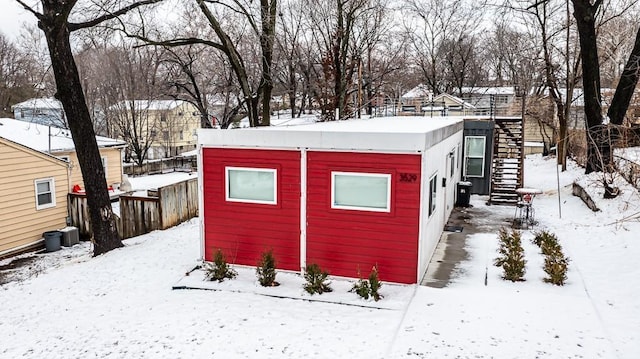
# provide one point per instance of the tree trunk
(69, 87)
(626, 86)
(598, 144)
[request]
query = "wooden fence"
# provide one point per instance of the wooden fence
(174, 164)
(160, 209)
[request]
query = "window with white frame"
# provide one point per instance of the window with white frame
(433, 190)
(474, 156)
(251, 185)
(361, 191)
(452, 162)
(45, 193)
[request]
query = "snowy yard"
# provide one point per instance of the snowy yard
(121, 305)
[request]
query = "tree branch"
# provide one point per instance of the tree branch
(30, 9)
(110, 16)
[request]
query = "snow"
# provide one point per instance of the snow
(48, 103)
(121, 304)
(45, 138)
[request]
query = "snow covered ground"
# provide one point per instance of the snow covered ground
(121, 305)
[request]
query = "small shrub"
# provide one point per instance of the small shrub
(555, 262)
(511, 257)
(556, 266)
(219, 270)
(266, 270)
(361, 288)
(366, 288)
(548, 242)
(316, 280)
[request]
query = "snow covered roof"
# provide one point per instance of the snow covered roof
(454, 99)
(45, 138)
(149, 105)
(403, 134)
(39, 103)
(500, 90)
(420, 91)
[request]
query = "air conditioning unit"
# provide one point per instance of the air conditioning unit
(70, 236)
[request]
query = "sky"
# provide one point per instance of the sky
(121, 304)
(12, 16)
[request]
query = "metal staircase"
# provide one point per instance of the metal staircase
(507, 169)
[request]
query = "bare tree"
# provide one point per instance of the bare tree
(53, 20)
(599, 150)
(435, 28)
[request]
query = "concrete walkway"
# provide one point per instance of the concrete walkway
(450, 251)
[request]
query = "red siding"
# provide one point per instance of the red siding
(244, 230)
(341, 241)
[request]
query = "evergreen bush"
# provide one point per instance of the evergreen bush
(366, 288)
(511, 255)
(556, 266)
(266, 270)
(555, 262)
(316, 280)
(219, 270)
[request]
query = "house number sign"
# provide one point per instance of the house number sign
(408, 177)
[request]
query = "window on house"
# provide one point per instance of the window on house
(433, 190)
(251, 185)
(163, 117)
(165, 135)
(45, 193)
(153, 133)
(474, 156)
(452, 162)
(361, 191)
(182, 135)
(65, 158)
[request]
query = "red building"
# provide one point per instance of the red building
(346, 195)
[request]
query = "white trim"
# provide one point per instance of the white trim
(360, 174)
(201, 213)
(273, 171)
(484, 155)
(52, 190)
(430, 197)
(303, 209)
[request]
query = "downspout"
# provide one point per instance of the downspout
(303, 209)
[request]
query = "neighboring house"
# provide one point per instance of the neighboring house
(169, 125)
(413, 102)
(45, 111)
(448, 105)
(58, 142)
(496, 101)
(33, 188)
(346, 195)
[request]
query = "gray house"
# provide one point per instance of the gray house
(44, 111)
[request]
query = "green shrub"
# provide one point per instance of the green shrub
(548, 242)
(219, 270)
(556, 266)
(366, 288)
(316, 280)
(266, 270)
(511, 255)
(555, 262)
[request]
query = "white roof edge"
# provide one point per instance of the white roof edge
(412, 142)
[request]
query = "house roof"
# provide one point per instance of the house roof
(33, 152)
(498, 90)
(149, 105)
(454, 99)
(45, 138)
(420, 91)
(403, 134)
(40, 103)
